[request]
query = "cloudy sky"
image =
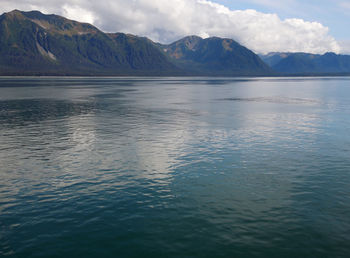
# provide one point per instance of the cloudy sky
(315, 26)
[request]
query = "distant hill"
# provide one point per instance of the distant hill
(32, 43)
(304, 63)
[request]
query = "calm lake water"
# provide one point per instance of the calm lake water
(175, 167)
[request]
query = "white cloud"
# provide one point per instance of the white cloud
(345, 46)
(166, 21)
(74, 11)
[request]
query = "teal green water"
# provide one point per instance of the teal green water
(175, 167)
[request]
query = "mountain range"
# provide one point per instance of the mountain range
(308, 64)
(33, 43)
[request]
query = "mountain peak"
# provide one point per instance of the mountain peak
(330, 54)
(15, 14)
(50, 22)
(215, 55)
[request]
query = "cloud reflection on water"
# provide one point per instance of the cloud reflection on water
(221, 159)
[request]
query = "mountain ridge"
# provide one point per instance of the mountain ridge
(221, 55)
(33, 43)
(308, 64)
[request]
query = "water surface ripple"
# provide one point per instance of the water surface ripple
(174, 167)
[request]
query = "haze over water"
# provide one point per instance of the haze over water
(175, 167)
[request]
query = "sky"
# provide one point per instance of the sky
(262, 25)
